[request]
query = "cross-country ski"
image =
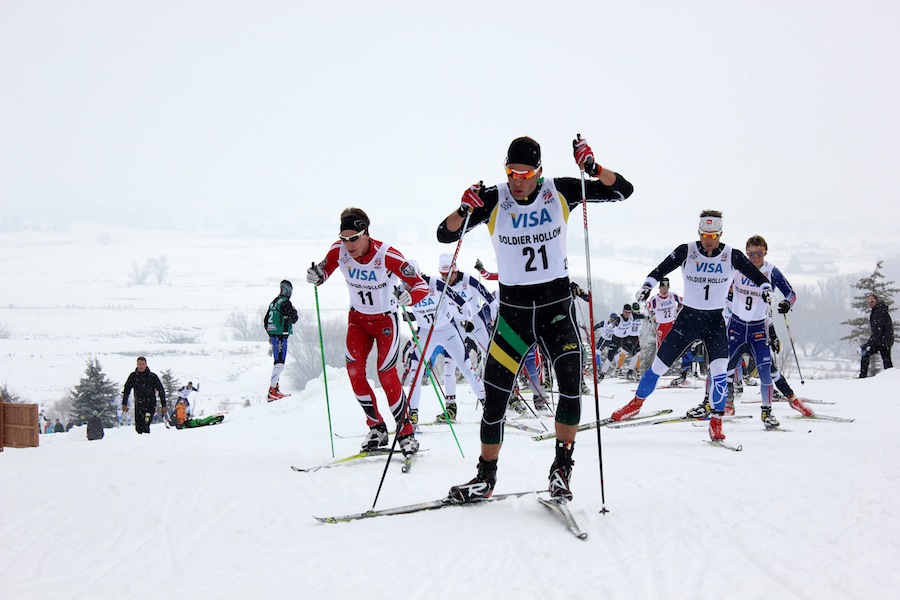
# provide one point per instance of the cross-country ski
(723, 444)
(419, 507)
(561, 509)
(352, 458)
(602, 422)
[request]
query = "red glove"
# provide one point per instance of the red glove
(583, 152)
(470, 199)
(584, 157)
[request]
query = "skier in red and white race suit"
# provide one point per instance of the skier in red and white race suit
(663, 308)
(371, 269)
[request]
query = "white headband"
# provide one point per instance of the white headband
(710, 225)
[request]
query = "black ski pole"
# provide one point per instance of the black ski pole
(587, 256)
(390, 454)
(793, 349)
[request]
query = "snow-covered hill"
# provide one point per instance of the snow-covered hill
(218, 513)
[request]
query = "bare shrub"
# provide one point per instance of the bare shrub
(175, 336)
(247, 327)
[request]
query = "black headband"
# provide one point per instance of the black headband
(354, 223)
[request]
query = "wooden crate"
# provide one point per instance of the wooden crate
(20, 425)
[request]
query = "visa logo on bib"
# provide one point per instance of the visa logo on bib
(531, 219)
(703, 267)
(361, 274)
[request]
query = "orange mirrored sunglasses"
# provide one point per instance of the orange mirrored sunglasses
(516, 174)
(710, 236)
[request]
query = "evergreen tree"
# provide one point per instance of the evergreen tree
(8, 396)
(95, 392)
(873, 284)
(170, 384)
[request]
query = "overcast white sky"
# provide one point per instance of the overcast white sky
(182, 112)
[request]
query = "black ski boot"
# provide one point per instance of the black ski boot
(479, 488)
(561, 471)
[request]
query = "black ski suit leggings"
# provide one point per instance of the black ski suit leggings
(528, 315)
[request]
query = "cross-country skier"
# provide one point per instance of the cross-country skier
(480, 310)
(446, 338)
(707, 266)
(749, 323)
(750, 319)
(662, 308)
(624, 340)
(526, 217)
(370, 268)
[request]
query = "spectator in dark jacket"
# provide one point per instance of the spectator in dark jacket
(94, 427)
(58, 427)
(146, 386)
(882, 337)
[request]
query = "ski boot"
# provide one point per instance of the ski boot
(451, 411)
(518, 406)
(479, 488)
(540, 404)
(682, 377)
(408, 443)
(376, 438)
(561, 471)
(768, 418)
(629, 410)
(715, 427)
(798, 405)
(701, 411)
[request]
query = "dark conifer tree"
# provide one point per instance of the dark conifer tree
(95, 392)
(873, 284)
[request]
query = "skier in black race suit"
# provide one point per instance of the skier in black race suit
(527, 219)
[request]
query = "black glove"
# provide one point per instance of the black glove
(635, 307)
(468, 326)
(578, 292)
(643, 293)
(783, 307)
(479, 266)
(774, 342)
(290, 312)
